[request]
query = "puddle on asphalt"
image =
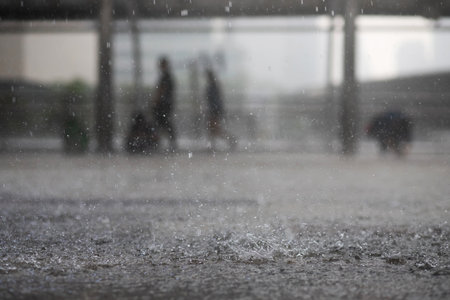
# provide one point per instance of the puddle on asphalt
(90, 249)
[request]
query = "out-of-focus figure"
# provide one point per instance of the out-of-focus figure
(216, 113)
(76, 138)
(162, 108)
(392, 130)
(142, 138)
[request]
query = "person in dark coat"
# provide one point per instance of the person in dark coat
(216, 113)
(393, 130)
(164, 102)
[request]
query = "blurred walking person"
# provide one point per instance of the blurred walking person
(163, 103)
(216, 113)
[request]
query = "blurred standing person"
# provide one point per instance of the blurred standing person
(216, 117)
(163, 103)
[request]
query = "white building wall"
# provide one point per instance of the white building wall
(60, 57)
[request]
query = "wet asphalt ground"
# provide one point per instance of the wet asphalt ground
(239, 226)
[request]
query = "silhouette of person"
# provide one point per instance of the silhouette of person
(163, 105)
(141, 138)
(393, 130)
(216, 114)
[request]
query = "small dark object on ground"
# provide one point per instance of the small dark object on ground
(393, 130)
(142, 138)
(76, 139)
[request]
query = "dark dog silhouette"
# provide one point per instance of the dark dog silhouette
(392, 130)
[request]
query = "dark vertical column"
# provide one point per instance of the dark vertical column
(138, 103)
(329, 111)
(349, 103)
(104, 105)
(198, 116)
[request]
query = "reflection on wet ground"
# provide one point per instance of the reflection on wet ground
(262, 226)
